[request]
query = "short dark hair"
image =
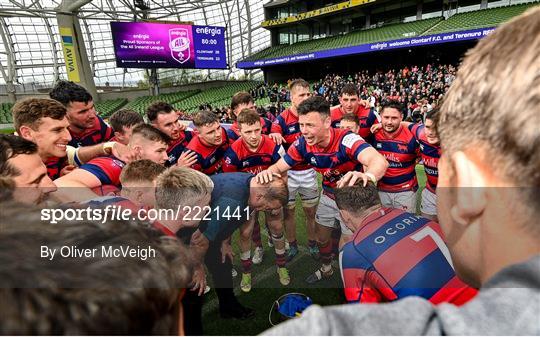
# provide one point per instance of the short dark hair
(351, 118)
(248, 116)
(141, 170)
(349, 89)
(150, 133)
(88, 295)
(314, 104)
(356, 199)
(203, 118)
(392, 104)
(157, 108)
(10, 147)
(67, 91)
(30, 111)
(124, 118)
(241, 97)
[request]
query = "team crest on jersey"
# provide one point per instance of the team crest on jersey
(118, 163)
(402, 147)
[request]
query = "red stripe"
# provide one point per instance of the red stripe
(455, 292)
(399, 259)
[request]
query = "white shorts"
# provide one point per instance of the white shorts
(405, 201)
(429, 202)
(304, 183)
(328, 215)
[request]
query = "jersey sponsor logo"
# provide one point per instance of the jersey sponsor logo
(245, 163)
(212, 160)
(228, 160)
(172, 158)
(430, 162)
(431, 172)
(292, 128)
(378, 145)
(313, 161)
(421, 147)
(392, 157)
(350, 139)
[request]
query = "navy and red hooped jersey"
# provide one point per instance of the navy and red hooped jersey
(118, 201)
(55, 166)
(177, 146)
(234, 131)
(333, 161)
(395, 254)
(106, 169)
(366, 118)
(288, 126)
(239, 158)
(430, 156)
(401, 151)
(97, 134)
(209, 158)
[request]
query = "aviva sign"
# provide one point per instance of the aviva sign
(69, 54)
(318, 12)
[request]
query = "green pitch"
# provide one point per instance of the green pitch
(267, 289)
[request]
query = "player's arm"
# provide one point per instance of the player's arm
(277, 169)
(374, 163)
(79, 183)
(199, 246)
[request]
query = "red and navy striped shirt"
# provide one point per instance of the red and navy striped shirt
(107, 170)
(209, 157)
(395, 254)
(177, 146)
(239, 158)
(234, 131)
(288, 126)
(430, 156)
(366, 118)
(97, 134)
(55, 166)
(333, 161)
(400, 150)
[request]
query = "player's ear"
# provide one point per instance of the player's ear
(470, 188)
(26, 132)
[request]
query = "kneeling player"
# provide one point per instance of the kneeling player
(393, 253)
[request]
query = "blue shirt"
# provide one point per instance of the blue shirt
(228, 206)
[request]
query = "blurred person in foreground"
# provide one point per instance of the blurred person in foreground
(88, 295)
(488, 204)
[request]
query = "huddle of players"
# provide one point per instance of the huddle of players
(69, 134)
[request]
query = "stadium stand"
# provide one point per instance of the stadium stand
(108, 107)
(479, 19)
(140, 104)
(384, 33)
(5, 113)
(216, 96)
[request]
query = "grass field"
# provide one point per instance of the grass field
(267, 289)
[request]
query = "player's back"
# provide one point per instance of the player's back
(396, 254)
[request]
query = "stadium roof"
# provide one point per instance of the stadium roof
(31, 53)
